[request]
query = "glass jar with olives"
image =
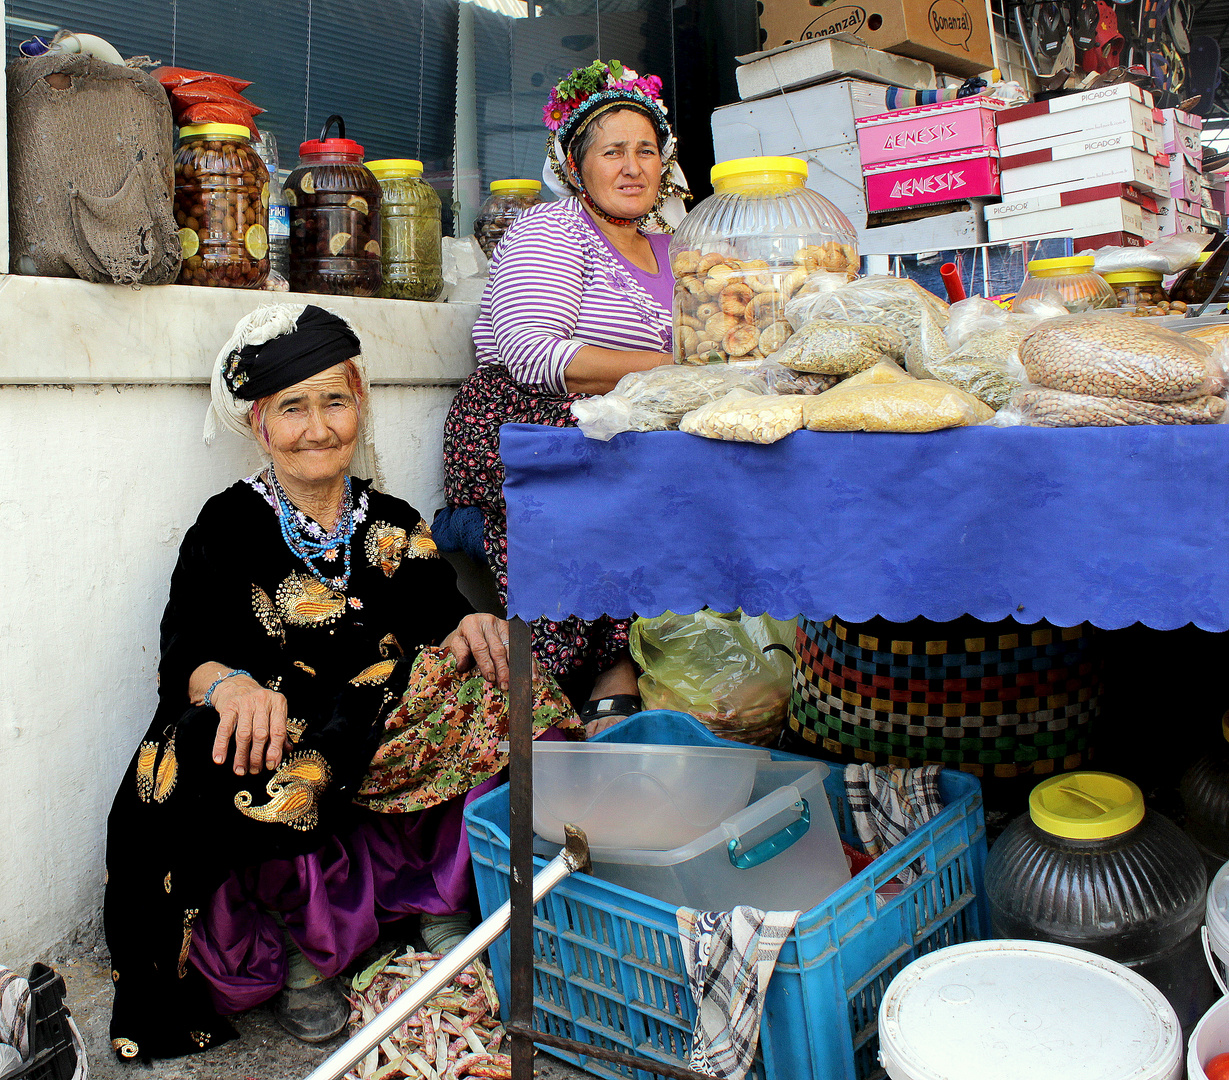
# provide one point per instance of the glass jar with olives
(508, 198)
(409, 231)
(222, 207)
(334, 205)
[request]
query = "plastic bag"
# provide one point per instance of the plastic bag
(820, 283)
(917, 405)
(886, 371)
(1169, 255)
(171, 77)
(732, 672)
(1116, 356)
(1035, 406)
(217, 112)
(741, 416)
(780, 380)
(840, 347)
(214, 90)
(982, 365)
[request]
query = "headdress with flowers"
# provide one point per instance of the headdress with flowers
(582, 96)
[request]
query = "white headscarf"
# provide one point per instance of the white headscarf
(227, 411)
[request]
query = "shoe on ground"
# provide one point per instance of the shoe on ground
(314, 1014)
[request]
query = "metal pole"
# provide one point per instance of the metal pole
(617, 1057)
(520, 837)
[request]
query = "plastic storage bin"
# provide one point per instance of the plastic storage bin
(1205, 795)
(608, 965)
(507, 200)
(1072, 277)
(1089, 867)
(781, 853)
(744, 251)
(638, 795)
(334, 218)
(409, 231)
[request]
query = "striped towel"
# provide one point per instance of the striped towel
(888, 803)
(729, 957)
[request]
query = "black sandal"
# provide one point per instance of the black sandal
(618, 706)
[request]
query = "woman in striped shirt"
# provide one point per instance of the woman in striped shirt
(579, 296)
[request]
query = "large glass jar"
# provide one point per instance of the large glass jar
(508, 198)
(334, 218)
(222, 207)
(1072, 278)
(744, 251)
(1089, 866)
(409, 231)
(1195, 284)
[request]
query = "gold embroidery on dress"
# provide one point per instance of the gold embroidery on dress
(275, 684)
(147, 755)
(266, 614)
(375, 674)
(166, 882)
(421, 544)
(305, 667)
(293, 793)
(189, 917)
(386, 545)
(389, 642)
(295, 729)
(304, 601)
(201, 1038)
(114, 976)
(125, 1047)
(168, 773)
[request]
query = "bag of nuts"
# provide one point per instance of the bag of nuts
(741, 416)
(915, 406)
(1108, 355)
(1036, 406)
(837, 347)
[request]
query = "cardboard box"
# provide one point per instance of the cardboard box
(1086, 148)
(1080, 219)
(935, 179)
(1115, 117)
(1183, 133)
(951, 34)
(1185, 179)
(1123, 165)
(1066, 103)
(1118, 239)
(1213, 220)
(806, 63)
(943, 128)
(1177, 215)
(1053, 199)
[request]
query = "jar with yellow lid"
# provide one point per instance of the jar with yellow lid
(1141, 290)
(744, 251)
(222, 207)
(508, 199)
(1195, 284)
(1090, 866)
(1072, 278)
(409, 231)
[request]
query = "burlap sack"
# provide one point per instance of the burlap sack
(90, 172)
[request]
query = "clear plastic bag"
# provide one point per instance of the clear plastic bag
(1169, 255)
(1036, 406)
(732, 672)
(915, 406)
(840, 347)
(817, 284)
(982, 365)
(741, 416)
(1116, 356)
(886, 371)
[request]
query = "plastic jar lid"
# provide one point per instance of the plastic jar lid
(1117, 277)
(1071, 264)
(782, 170)
(394, 168)
(331, 146)
(216, 131)
(1025, 1010)
(1203, 257)
(516, 185)
(1086, 805)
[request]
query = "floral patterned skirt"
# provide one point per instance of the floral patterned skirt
(474, 476)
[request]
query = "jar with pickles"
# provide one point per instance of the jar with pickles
(222, 207)
(409, 231)
(334, 205)
(1072, 278)
(507, 200)
(744, 251)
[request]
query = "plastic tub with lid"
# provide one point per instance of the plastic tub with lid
(1205, 796)
(638, 794)
(1025, 1010)
(1216, 927)
(1072, 278)
(334, 205)
(508, 199)
(1209, 1039)
(1089, 866)
(781, 852)
(409, 231)
(744, 251)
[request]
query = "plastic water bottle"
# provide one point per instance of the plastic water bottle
(279, 212)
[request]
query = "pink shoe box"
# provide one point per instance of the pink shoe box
(1182, 133)
(942, 128)
(1112, 159)
(1185, 179)
(1097, 112)
(937, 178)
(1178, 216)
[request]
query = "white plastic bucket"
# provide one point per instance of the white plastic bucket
(1025, 1010)
(1210, 1037)
(1216, 927)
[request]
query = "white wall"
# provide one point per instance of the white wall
(102, 468)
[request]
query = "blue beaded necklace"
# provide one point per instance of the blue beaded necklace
(309, 549)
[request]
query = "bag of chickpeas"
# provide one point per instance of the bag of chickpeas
(90, 172)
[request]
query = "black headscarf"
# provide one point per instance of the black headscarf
(319, 341)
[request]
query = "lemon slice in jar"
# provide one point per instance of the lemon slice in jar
(372, 247)
(264, 196)
(291, 198)
(307, 184)
(256, 240)
(357, 202)
(338, 241)
(189, 242)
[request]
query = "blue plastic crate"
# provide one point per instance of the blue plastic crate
(608, 964)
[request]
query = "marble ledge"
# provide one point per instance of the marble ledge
(55, 331)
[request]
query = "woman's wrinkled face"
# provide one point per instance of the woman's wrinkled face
(621, 169)
(311, 428)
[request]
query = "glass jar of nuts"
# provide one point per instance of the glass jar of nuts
(222, 207)
(334, 205)
(1142, 292)
(507, 199)
(744, 251)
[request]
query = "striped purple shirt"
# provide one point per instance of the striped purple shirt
(556, 287)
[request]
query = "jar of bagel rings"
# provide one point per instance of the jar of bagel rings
(744, 251)
(221, 207)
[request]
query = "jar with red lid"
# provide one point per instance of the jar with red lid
(334, 205)
(222, 207)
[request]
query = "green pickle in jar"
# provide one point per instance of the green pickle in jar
(221, 207)
(409, 231)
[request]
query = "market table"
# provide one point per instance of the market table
(1112, 526)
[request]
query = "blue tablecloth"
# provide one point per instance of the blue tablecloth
(1106, 525)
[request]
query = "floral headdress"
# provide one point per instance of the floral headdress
(585, 94)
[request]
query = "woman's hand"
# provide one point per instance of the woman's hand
(482, 640)
(253, 714)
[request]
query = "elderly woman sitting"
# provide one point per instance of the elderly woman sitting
(305, 772)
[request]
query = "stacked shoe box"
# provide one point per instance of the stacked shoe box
(1091, 165)
(1182, 136)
